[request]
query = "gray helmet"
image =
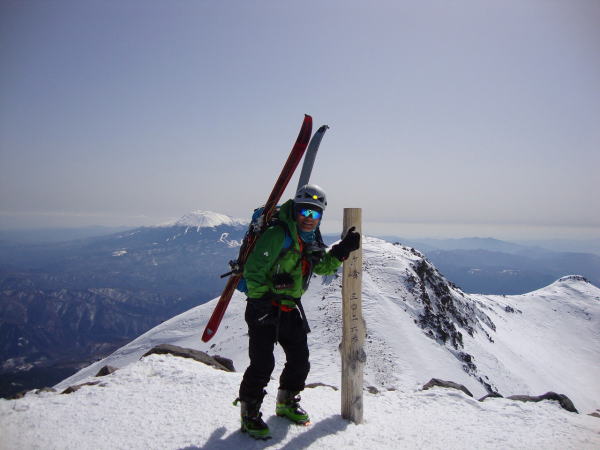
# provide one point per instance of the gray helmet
(311, 194)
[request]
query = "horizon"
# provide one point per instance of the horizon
(406, 230)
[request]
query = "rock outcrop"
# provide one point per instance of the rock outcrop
(562, 399)
(167, 349)
(446, 384)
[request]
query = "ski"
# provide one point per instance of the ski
(309, 157)
(288, 170)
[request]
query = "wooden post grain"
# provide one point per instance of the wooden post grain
(353, 335)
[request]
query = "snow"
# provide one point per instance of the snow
(553, 339)
(547, 340)
(166, 402)
(229, 242)
(204, 219)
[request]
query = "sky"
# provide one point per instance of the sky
(448, 118)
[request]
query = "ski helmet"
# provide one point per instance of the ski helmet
(311, 194)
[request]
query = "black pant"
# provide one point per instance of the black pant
(262, 329)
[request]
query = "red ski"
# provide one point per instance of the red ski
(250, 239)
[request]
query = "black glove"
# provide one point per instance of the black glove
(350, 243)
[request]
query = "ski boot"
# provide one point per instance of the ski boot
(251, 419)
(288, 405)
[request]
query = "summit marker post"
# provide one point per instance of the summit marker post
(353, 334)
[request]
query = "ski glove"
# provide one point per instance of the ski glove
(350, 243)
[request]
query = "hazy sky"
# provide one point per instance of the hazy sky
(447, 117)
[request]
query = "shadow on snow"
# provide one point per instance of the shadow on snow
(279, 429)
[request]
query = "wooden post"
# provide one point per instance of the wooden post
(353, 335)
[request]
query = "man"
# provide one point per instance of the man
(277, 273)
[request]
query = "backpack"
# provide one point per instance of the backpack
(255, 225)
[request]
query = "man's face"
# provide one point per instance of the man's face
(306, 220)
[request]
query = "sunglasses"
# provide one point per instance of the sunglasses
(310, 212)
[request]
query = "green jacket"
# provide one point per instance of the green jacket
(267, 259)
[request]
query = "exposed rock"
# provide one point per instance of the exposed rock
(22, 394)
(488, 387)
(469, 365)
(106, 370)
(491, 395)
(225, 362)
(372, 390)
(595, 413)
(446, 384)
(314, 385)
(18, 395)
(168, 349)
(45, 389)
(573, 278)
(445, 310)
(76, 387)
(564, 401)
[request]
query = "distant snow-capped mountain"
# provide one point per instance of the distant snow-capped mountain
(204, 219)
(420, 326)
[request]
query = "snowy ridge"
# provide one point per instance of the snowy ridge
(204, 219)
(419, 326)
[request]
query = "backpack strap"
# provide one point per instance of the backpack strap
(287, 240)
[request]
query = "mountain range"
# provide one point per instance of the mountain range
(66, 304)
(492, 266)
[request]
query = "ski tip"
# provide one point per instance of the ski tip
(323, 129)
(208, 334)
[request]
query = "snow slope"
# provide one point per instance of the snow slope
(550, 342)
(419, 326)
(166, 402)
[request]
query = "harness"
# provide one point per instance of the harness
(285, 305)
